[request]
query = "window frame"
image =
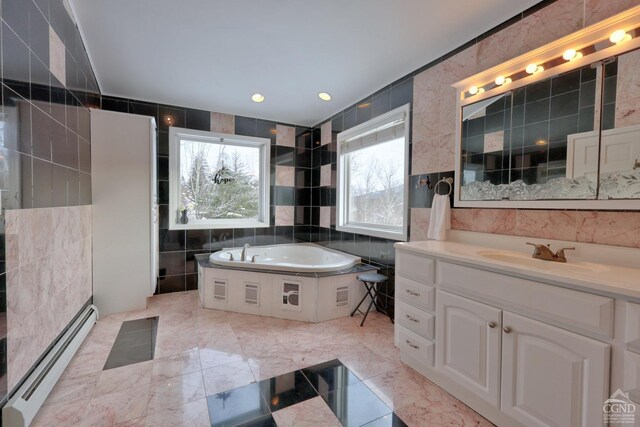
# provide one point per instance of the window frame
(176, 136)
(342, 194)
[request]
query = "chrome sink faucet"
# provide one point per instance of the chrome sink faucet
(243, 254)
(544, 253)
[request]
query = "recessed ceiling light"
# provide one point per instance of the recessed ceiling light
(257, 97)
(324, 96)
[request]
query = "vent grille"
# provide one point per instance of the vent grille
(220, 290)
(342, 296)
(251, 294)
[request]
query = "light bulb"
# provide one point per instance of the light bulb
(257, 97)
(627, 37)
(481, 90)
(531, 68)
(324, 96)
(473, 90)
(508, 80)
(569, 54)
(578, 55)
(617, 36)
(500, 80)
(539, 69)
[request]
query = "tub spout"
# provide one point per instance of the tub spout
(243, 254)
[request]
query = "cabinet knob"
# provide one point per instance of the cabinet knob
(492, 324)
(507, 330)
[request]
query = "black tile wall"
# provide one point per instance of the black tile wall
(46, 124)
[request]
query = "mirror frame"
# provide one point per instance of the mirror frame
(588, 36)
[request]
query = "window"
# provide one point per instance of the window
(217, 180)
(372, 176)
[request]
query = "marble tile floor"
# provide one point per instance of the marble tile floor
(284, 373)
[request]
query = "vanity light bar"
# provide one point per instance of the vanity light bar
(617, 37)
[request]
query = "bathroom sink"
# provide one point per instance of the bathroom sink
(527, 261)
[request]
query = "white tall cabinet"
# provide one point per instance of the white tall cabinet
(125, 216)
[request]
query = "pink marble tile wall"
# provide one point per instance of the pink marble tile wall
(327, 216)
(326, 176)
(434, 112)
(496, 221)
(285, 175)
(285, 215)
(600, 227)
(223, 123)
(325, 133)
(286, 135)
(597, 10)
(546, 25)
(419, 223)
(628, 90)
(48, 279)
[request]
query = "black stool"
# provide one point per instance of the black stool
(371, 282)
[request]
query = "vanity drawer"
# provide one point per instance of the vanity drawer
(581, 311)
(416, 267)
(415, 346)
(415, 293)
(418, 321)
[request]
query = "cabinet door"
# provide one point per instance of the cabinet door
(552, 377)
(468, 344)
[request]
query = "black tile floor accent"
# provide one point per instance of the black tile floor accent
(353, 403)
(286, 390)
(330, 376)
(136, 342)
(242, 406)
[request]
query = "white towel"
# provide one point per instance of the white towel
(440, 220)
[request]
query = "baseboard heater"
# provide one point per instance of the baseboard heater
(22, 408)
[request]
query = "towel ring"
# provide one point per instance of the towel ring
(446, 181)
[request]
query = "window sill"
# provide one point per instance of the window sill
(205, 225)
(374, 232)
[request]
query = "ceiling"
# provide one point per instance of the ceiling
(214, 54)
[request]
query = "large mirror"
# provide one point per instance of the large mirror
(620, 136)
(534, 142)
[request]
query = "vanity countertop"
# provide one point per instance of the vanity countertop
(576, 273)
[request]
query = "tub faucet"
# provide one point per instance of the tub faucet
(243, 254)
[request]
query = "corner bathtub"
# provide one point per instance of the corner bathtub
(294, 257)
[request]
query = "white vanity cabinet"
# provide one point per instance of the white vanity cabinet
(468, 338)
(551, 376)
(503, 344)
